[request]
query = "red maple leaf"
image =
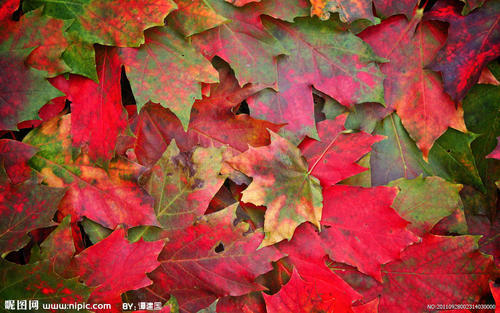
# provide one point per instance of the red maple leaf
(473, 41)
(115, 265)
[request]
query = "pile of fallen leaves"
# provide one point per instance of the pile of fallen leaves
(251, 155)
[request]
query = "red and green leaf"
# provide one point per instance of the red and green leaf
(93, 23)
(413, 91)
(211, 259)
(195, 136)
(183, 184)
(43, 33)
(213, 123)
(38, 281)
(281, 182)
(14, 156)
(317, 57)
(23, 90)
(167, 70)
(244, 44)
(25, 207)
(109, 197)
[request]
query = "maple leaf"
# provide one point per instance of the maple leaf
(307, 254)
(211, 259)
(168, 60)
(114, 266)
(473, 41)
(333, 158)
(39, 281)
(396, 156)
(300, 296)
(43, 34)
(425, 201)
(14, 156)
(94, 24)
(108, 197)
(213, 122)
(183, 185)
(414, 92)
(25, 207)
(319, 48)
(244, 44)
(98, 116)
(224, 187)
(282, 182)
(351, 231)
(188, 22)
(437, 270)
(23, 90)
